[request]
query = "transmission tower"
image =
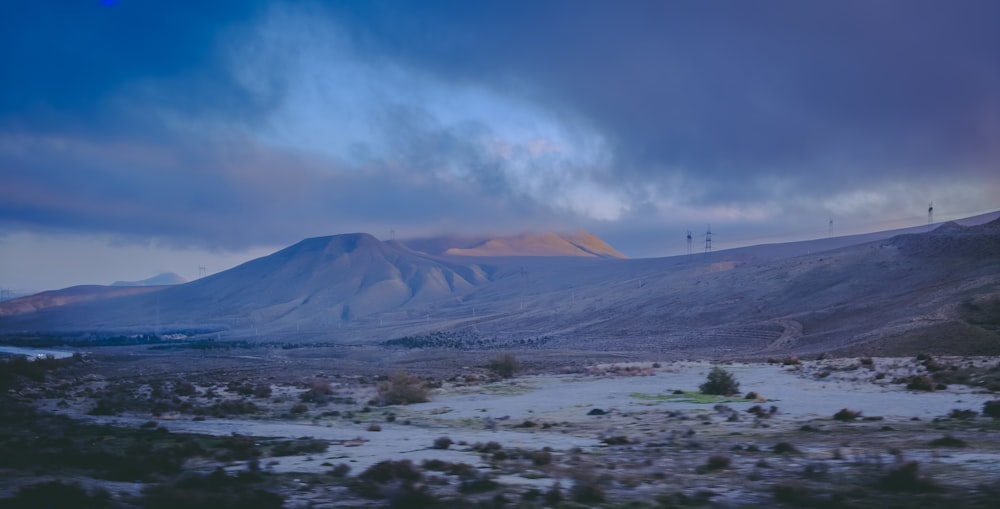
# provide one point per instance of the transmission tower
(930, 213)
(831, 226)
(708, 239)
(201, 271)
(689, 241)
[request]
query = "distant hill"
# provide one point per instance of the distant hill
(578, 244)
(166, 278)
(936, 291)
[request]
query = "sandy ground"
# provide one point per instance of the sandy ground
(634, 406)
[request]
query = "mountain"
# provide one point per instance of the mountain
(74, 295)
(166, 278)
(933, 291)
(578, 244)
(316, 282)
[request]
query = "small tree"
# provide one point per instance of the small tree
(720, 382)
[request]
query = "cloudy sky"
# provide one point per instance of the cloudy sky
(145, 136)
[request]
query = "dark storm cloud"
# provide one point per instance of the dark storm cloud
(165, 119)
(66, 64)
(807, 91)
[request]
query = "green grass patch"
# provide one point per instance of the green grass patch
(686, 397)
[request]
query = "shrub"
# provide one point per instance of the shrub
(216, 491)
(785, 448)
(948, 441)
(906, 477)
(299, 408)
(374, 427)
(846, 415)
(504, 365)
(585, 490)
(319, 391)
(541, 458)
(442, 442)
(720, 382)
(402, 389)
(793, 492)
(717, 462)
(386, 471)
(962, 414)
(920, 383)
(262, 391)
(992, 409)
(340, 470)
(58, 494)
(182, 388)
(305, 445)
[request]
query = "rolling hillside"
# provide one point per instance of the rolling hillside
(933, 291)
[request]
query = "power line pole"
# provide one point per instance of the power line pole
(930, 213)
(708, 239)
(689, 241)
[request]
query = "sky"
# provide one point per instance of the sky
(145, 136)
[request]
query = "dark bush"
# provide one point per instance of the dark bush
(720, 382)
(214, 491)
(442, 442)
(948, 441)
(299, 408)
(304, 445)
(56, 494)
(616, 440)
(846, 415)
(717, 462)
(586, 490)
(962, 414)
(504, 366)
(992, 409)
(319, 391)
(906, 477)
(541, 458)
(920, 383)
(785, 448)
(262, 390)
(182, 388)
(402, 389)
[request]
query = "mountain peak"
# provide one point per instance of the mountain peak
(578, 244)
